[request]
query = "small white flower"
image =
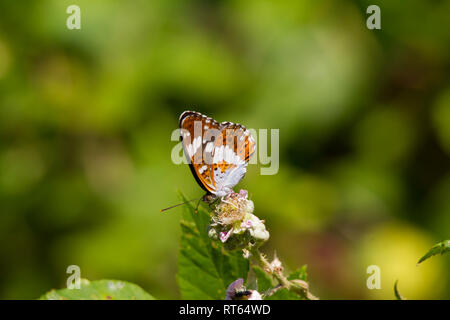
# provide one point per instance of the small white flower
(255, 295)
(233, 218)
(246, 224)
(225, 235)
(231, 290)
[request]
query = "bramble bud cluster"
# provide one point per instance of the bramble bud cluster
(234, 223)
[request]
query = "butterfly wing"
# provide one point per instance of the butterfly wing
(218, 161)
(193, 127)
(231, 155)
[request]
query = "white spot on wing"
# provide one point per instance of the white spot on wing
(218, 155)
(196, 144)
(189, 150)
(209, 147)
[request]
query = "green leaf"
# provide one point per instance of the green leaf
(205, 269)
(299, 274)
(100, 290)
(264, 280)
(397, 294)
(283, 294)
(440, 248)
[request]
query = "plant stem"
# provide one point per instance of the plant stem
(284, 282)
(262, 261)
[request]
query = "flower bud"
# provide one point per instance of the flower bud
(212, 233)
(275, 265)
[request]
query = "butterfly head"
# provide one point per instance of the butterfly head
(209, 198)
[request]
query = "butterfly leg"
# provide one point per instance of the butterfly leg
(198, 203)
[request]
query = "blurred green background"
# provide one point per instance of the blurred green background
(86, 117)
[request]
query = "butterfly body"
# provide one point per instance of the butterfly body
(218, 153)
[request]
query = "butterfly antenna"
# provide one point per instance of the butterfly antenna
(198, 203)
(181, 204)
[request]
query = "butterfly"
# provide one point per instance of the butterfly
(218, 153)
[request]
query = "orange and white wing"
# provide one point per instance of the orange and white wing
(231, 155)
(192, 136)
(218, 154)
